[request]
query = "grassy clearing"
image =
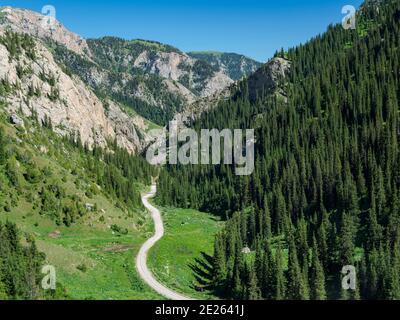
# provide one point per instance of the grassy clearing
(188, 233)
(91, 262)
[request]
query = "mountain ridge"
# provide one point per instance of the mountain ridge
(235, 65)
(154, 80)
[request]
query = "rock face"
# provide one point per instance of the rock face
(154, 79)
(159, 75)
(194, 110)
(39, 84)
(130, 131)
(25, 21)
(267, 78)
(16, 120)
(177, 66)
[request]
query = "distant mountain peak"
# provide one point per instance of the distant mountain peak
(235, 66)
(34, 24)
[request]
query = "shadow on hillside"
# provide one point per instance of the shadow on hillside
(202, 269)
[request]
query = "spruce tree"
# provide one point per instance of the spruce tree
(317, 277)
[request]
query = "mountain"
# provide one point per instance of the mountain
(153, 79)
(21, 264)
(33, 80)
(157, 80)
(74, 115)
(265, 80)
(35, 24)
(234, 65)
(324, 194)
(107, 88)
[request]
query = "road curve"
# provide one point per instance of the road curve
(141, 259)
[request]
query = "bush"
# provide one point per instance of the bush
(89, 194)
(7, 207)
(82, 267)
(13, 173)
(32, 175)
(118, 229)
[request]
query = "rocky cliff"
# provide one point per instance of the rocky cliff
(37, 25)
(33, 83)
(268, 78)
(154, 79)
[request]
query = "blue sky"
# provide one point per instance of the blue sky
(254, 28)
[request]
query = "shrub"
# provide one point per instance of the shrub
(82, 267)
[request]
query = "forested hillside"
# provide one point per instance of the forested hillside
(146, 94)
(112, 172)
(52, 187)
(152, 80)
(326, 187)
(19, 266)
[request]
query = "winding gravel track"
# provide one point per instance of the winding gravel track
(141, 259)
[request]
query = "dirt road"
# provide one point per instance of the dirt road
(141, 259)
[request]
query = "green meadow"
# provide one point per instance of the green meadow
(178, 258)
(91, 260)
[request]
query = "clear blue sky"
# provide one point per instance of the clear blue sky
(256, 28)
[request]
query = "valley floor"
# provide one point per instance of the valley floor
(141, 259)
(93, 263)
(180, 257)
(90, 262)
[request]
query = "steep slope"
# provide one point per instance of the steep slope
(235, 66)
(20, 266)
(167, 62)
(153, 79)
(267, 80)
(325, 190)
(33, 82)
(34, 24)
(81, 207)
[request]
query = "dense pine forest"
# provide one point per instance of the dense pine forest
(326, 188)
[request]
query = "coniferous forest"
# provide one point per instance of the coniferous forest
(326, 188)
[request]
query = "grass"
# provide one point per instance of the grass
(108, 258)
(188, 233)
(91, 261)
